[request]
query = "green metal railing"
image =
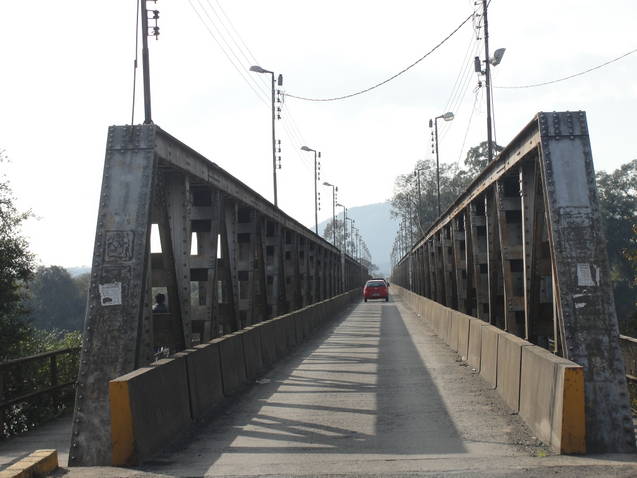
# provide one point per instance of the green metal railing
(36, 388)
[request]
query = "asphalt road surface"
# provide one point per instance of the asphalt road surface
(375, 394)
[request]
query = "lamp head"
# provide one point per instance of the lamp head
(325, 183)
(448, 116)
(258, 69)
(305, 148)
(497, 56)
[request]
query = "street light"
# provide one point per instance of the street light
(495, 60)
(343, 247)
(351, 230)
(258, 69)
(334, 190)
(305, 148)
(417, 174)
(434, 123)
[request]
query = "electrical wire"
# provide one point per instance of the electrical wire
(404, 70)
(570, 76)
(460, 99)
(241, 68)
(259, 94)
(132, 116)
(291, 130)
(479, 94)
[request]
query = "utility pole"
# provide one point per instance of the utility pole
(487, 81)
(258, 69)
(145, 58)
(316, 178)
(417, 174)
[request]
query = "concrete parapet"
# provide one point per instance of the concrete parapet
(233, 365)
(475, 343)
(281, 335)
(552, 399)
(628, 346)
(548, 391)
(268, 332)
(205, 384)
(253, 351)
(150, 407)
(462, 325)
(489, 354)
(509, 367)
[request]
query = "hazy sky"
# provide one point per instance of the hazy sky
(67, 75)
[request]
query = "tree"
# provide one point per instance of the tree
(16, 266)
(617, 192)
(477, 158)
(420, 211)
(329, 236)
(56, 301)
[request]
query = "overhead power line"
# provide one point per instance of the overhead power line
(570, 76)
(404, 70)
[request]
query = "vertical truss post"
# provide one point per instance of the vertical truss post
(118, 289)
(585, 304)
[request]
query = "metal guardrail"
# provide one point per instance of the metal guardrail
(29, 378)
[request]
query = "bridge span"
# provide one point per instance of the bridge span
(376, 392)
(500, 339)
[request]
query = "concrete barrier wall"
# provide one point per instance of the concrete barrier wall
(629, 353)
(489, 354)
(463, 335)
(205, 385)
(546, 390)
(149, 408)
(475, 343)
(152, 406)
(552, 399)
(509, 368)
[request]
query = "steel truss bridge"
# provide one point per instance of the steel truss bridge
(523, 249)
(253, 262)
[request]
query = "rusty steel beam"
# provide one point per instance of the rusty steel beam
(537, 264)
(251, 262)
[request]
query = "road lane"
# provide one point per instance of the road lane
(376, 394)
(378, 388)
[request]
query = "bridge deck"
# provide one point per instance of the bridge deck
(378, 393)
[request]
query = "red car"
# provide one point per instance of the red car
(376, 289)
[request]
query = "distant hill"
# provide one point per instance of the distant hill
(377, 228)
(78, 271)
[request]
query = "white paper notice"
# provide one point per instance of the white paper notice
(111, 294)
(584, 277)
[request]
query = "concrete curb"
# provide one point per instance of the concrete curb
(37, 464)
(151, 406)
(546, 390)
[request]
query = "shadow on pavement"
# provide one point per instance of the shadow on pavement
(360, 387)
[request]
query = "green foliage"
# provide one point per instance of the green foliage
(31, 376)
(419, 205)
(477, 158)
(57, 301)
(16, 267)
(617, 192)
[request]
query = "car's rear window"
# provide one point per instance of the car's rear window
(375, 283)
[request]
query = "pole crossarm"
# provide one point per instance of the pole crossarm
(226, 259)
(522, 248)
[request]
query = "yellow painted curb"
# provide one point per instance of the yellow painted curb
(122, 435)
(573, 412)
(39, 463)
